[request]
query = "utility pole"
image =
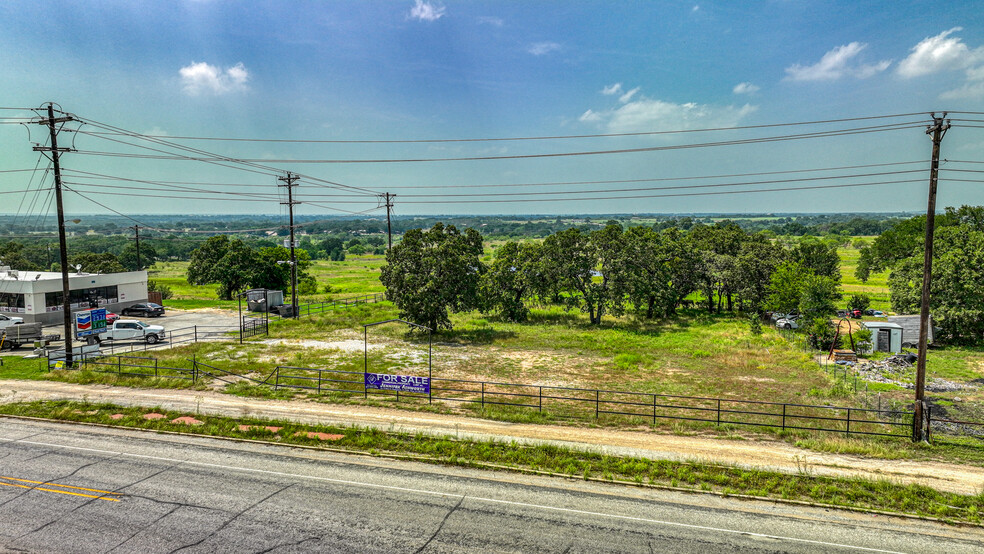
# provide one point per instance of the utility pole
(388, 198)
(136, 237)
(62, 244)
(289, 181)
(937, 130)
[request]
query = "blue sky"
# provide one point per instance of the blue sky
(406, 70)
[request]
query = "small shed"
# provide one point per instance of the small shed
(910, 329)
(885, 336)
(264, 300)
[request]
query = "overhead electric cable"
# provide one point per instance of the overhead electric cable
(802, 136)
(547, 137)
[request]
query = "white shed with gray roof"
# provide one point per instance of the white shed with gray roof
(885, 336)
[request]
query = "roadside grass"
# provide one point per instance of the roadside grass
(857, 493)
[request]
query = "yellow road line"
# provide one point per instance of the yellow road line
(57, 485)
(98, 497)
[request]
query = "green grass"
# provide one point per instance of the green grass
(876, 287)
(881, 495)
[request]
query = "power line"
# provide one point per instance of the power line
(802, 136)
(529, 138)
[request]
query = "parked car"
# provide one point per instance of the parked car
(789, 322)
(856, 314)
(842, 313)
(878, 313)
(7, 321)
(111, 317)
(869, 311)
(146, 309)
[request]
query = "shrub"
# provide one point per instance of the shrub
(821, 334)
(154, 286)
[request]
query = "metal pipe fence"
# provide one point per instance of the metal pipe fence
(321, 307)
(579, 403)
(174, 337)
(559, 402)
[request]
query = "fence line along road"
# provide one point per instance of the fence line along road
(321, 307)
(560, 402)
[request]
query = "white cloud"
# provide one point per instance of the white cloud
(493, 21)
(647, 115)
(695, 8)
(745, 88)
(939, 53)
(543, 48)
(202, 78)
(628, 95)
(590, 117)
(425, 11)
(973, 89)
(612, 89)
(835, 64)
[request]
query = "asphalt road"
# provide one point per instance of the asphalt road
(70, 488)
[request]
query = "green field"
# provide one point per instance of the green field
(876, 287)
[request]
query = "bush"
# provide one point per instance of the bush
(821, 334)
(307, 285)
(859, 302)
(154, 286)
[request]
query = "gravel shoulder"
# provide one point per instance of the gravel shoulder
(771, 455)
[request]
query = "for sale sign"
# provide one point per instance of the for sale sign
(401, 383)
(90, 322)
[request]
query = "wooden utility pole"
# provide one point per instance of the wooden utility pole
(136, 237)
(289, 182)
(388, 199)
(62, 244)
(919, 429)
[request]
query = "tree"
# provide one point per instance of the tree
(584, 268)
(754, 266)
(785, 287)
(13, 254)
(128, 258)
(819, 295)
(431, 273)
(509, 281)
(821, 258)
(205, 258)
(96, 263)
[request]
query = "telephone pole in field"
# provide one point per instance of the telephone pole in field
(919, 429)
(388, 199)
(50, 122)
(289, 181)
(136, 238)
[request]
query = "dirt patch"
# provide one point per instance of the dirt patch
(154, 415)
(350, 345)
(187, 420)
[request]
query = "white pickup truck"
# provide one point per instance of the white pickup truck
(130, 329)
(7, 321)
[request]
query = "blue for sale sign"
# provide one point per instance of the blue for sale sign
(401, 383)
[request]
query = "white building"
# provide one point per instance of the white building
(37, 295)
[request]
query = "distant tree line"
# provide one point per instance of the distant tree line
(610, 271)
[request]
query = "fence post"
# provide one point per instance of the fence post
(119, 365)
(783, 417)
(276, 381)
(155, 368)
(597, 402)
(540, 406)
(483, 396)
(848, 433)
(654, 409)
(196, 333)
(319, 382)
(719, 412)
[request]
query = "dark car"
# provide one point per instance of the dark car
(148, 309)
